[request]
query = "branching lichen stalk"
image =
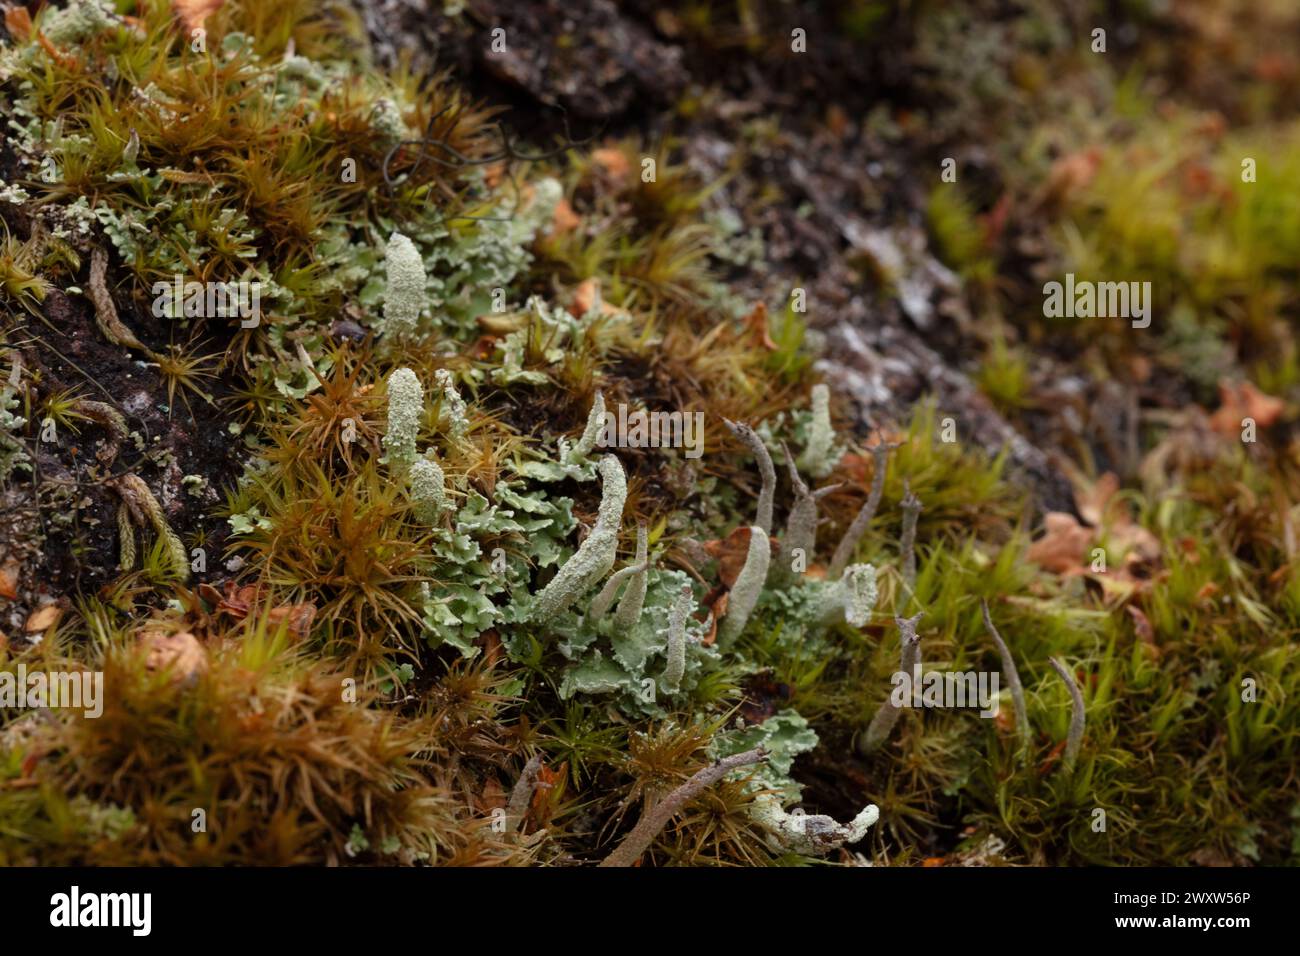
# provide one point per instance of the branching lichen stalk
(766, 470)
(849, 543)
(521, 794)
(810, 834)
(656, 818)
(911, 506)
(909, 663)
(852, 598)
(801, 524)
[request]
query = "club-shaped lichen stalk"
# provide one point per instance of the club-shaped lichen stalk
(405, 406)
(602, 601)
(404, 296)
(629, 606)
(911, 506)
(595, 556)
(428, 489)
(676, 667)
(817, 453)
(590, 434)
(749, 585)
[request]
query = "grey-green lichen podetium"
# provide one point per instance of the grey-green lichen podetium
(405, 407)
(595, 557)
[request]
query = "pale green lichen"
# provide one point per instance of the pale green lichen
(766, 471)
(817, 459)
(809, 834)
(749, 585)
(676, 666)
(428, 489)
(79, 20)
(405, 407)
(386, 118)
(454, 410)
(633, 574)
(595, 556)
(590, 435)
(800, 538)
(404, 296)
(852, 598)
(629, 608)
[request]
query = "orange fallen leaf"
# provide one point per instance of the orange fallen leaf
(757, 324)
(1062, 547)
(9, 579)
(192, 13)
(564, 219)
(586, 297)
(613, 161)
(18, 22)
(43, 618)
(1070, 174)
(298, 616)
(931, 861)
(715, 605)
(1243, 400)
(731, 553)
(181, 653)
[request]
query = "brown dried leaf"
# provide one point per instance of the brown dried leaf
(730, 553)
